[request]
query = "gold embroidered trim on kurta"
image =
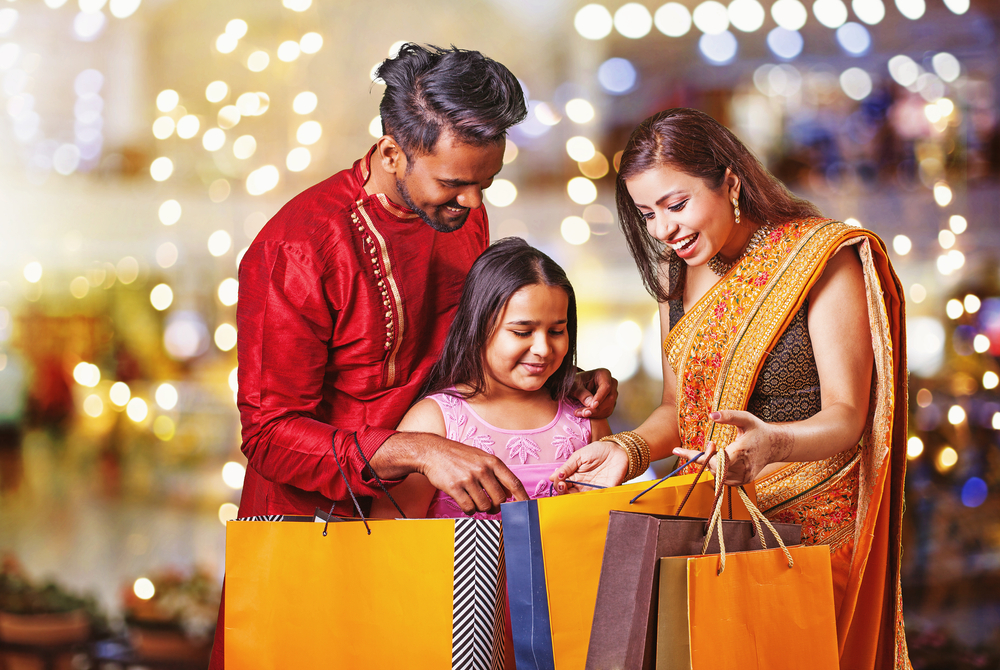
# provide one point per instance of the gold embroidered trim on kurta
(395, 323)
(394, 209)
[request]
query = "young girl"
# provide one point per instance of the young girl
(502, 381)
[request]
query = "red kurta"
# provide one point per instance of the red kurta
(345, 300)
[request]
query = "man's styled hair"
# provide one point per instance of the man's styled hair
(429, 89)
(501, 271)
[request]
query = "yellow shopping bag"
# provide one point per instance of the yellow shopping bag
(419, 593)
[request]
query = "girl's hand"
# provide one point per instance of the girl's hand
(600, 463)
(757, 445)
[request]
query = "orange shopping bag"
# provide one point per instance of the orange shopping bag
(760, 610)
(415, 593)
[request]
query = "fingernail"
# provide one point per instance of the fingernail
(562, 476)
(715, 416)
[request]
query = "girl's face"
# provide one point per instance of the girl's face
(684, 213)
(530, 340)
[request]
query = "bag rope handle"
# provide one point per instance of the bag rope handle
(665, 478)
(755, 515)
(382, 486)
(333, 448)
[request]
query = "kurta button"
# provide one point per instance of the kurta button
(381, 283)
(388, 314)
(385, 302)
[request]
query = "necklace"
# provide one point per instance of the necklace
(721, 267)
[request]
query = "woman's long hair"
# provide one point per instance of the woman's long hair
(697, 145)
(503, 269)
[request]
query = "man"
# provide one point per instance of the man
(347, 293)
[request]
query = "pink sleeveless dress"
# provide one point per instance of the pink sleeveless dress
(532, 455)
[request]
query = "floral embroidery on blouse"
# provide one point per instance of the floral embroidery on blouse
(522, 447)
(457, 421)
(576, 436)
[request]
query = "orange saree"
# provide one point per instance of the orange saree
(852, 502)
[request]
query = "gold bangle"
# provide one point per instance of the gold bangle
(636, 448)
(629, 452)
(644, 453)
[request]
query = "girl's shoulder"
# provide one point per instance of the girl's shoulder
(426, 416)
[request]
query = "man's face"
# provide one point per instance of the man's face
(443, 186)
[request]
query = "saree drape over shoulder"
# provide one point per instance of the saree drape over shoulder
(721, 351)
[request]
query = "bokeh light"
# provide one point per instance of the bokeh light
(593, 22)
(633, 20)
(856, 83)
(244, 147)
(911, 9)
(143, 589)
(309, 132)
(720, 48)
(119, 393)
(219, 243)
(228, 512)
(711, 17)
(217, 91)
(501, 193)
(946, 459)
(170, 212)
(161, 169)
(166, 396)
(161, 297)
(990, 380)
(575, 230)
(579, 111)
(789, 14)
(901, 244)
(225, 337)
(784, 43)
(229, 291)
(617, 76)
(914, 447)
(305, 102)
(311, 43)
(137, 410)
(974, 492)
(581, 190)
(233, 474)
(298, 159)
(956, 415)
(673, 19)
(580, 148)
(167, 100)
(869, 11)
(258, 61)
(831, 13)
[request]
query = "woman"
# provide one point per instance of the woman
(784, 347)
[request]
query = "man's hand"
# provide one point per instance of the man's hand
(597, 390)
(477, 481)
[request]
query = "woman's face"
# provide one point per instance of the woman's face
(684, 213)
(530, 340)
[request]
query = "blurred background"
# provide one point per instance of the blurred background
(144, 143)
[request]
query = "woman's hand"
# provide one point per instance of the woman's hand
(756, 446)
(601, 463)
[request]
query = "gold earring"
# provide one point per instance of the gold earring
(736, 210)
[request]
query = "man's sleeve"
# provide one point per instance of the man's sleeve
(285, 324)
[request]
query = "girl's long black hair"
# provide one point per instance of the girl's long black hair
(504, 268)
